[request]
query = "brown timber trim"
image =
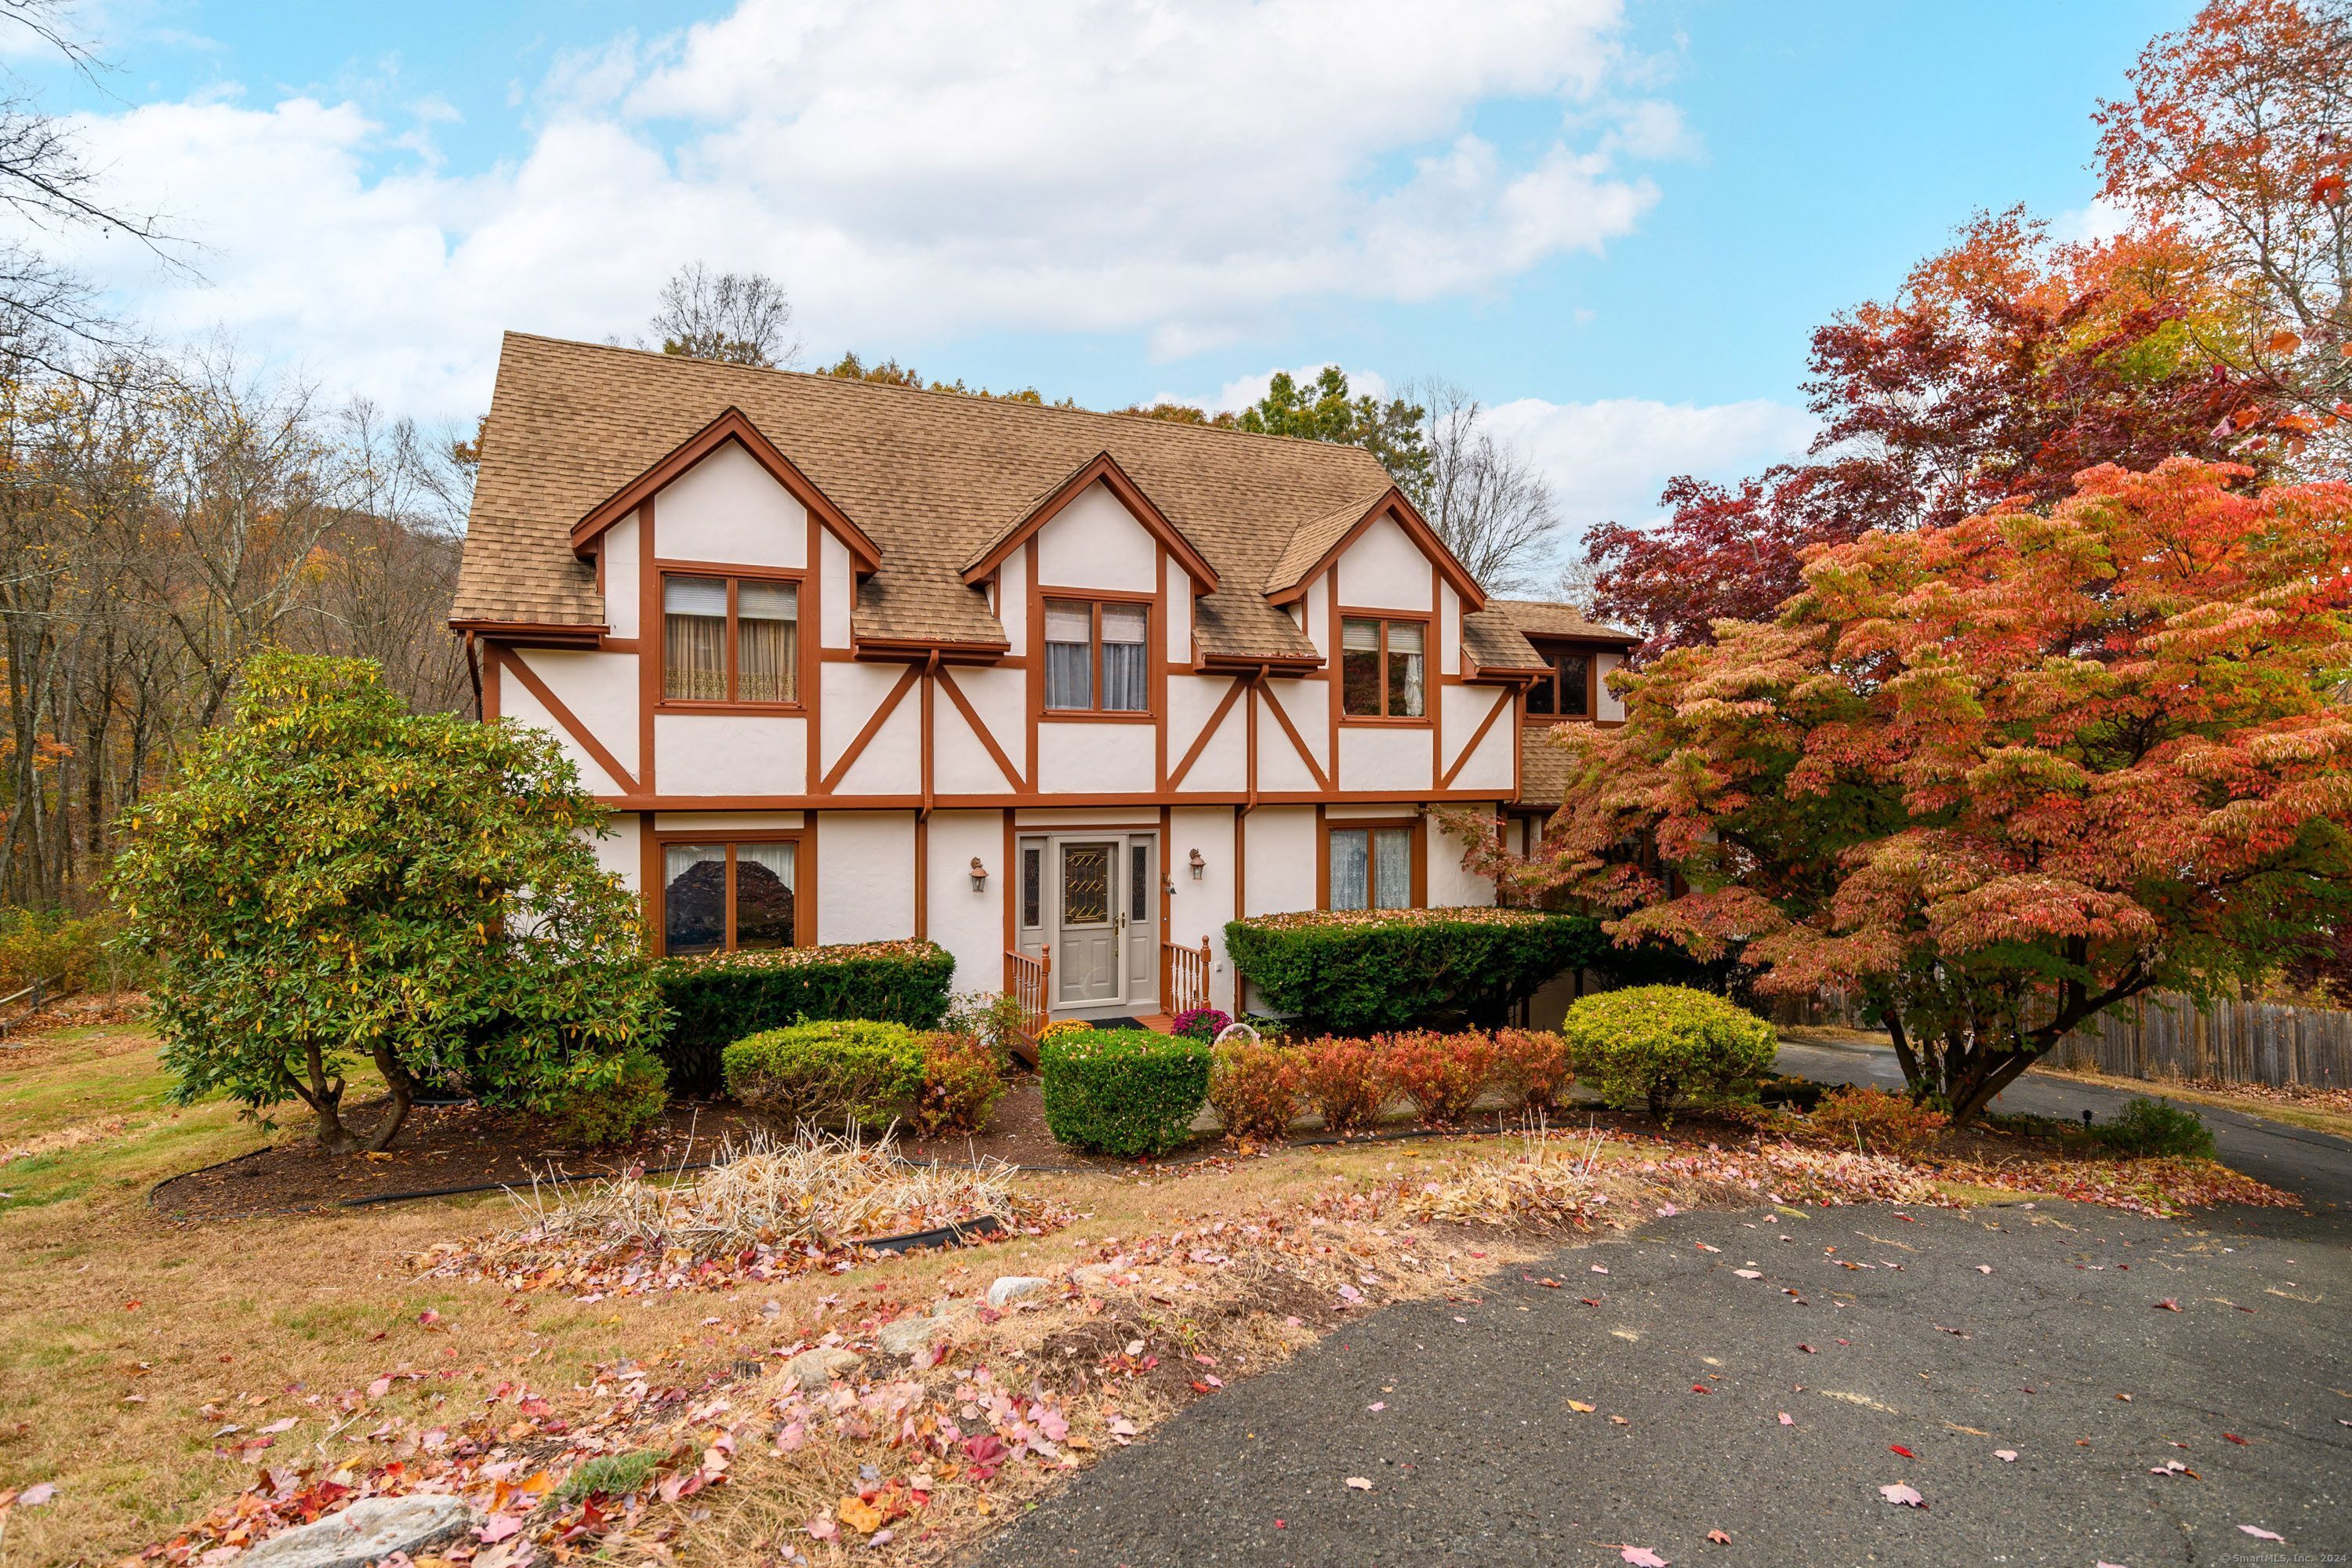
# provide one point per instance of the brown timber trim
(1324, 825)
(1298, 741)
(1208, 731)
(562, 715)
(1392, 503)
(1504, 702)
(881, 715)
(1131, 495)
(979, 728)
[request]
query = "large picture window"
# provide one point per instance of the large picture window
(729, 639)
(1098, 657)
(1371, 868)
(723, 896)
(1567, 691)
(1381, 664)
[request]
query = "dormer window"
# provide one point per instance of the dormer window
(729, 639)
(1381, 667)
(1098, 657)
(1568, 690)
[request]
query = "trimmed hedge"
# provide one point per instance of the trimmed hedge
(842, 1070)
(1123, 1091)
(723, 996)
(1353, 971)
(1649, 1044)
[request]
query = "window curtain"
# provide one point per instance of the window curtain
(694, 898)
(1126, 659)
(1069, 655)
(766, 616)
(1392, 867)
(1359, 667)
(1404, 669)
(763, 895)
(1350, 868)
(694, 638)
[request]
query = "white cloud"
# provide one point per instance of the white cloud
(1608, 459)
(2097, 219)
(1244, 390)
(1187, 174)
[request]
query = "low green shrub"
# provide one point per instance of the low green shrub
(1255, 1088)
(1443, 1075)
(856, 1071)
(2145, 1129)
(1881, 1122)
(724, 996)
(1654, 1043)
(1342, 1078)
(608, 1099)
(962, 1081)
(1366, 970)
(1534, 1065)
(1123, 1091)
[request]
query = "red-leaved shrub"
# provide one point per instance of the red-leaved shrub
(962, 1084)
(1342, 1078)
(1443, 1075)
(1254, 1087)
(1881, 1122)
(1533, 1064)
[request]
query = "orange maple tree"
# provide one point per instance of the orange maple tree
(2001, 775)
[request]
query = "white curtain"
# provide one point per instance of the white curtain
(694, 638)
(1404, 669)
(1350, 868)
(1391, 868)
(763, 895)
(1126, 659)
(766, 616)
(1069, 655)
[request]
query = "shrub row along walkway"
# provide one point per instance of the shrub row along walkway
(2035, 1333)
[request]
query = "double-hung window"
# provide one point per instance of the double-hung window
(1371, 868)
(727, 896)
(1098, 657)
(729, 639)
(1381, 667)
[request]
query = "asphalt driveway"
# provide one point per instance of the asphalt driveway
(2314, 1166)
(2041, 1330)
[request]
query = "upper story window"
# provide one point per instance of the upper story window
(1098, 657)
(729, 639)
(1381, 667)
(1567, 693)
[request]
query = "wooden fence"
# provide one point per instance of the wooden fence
(2164, 1035)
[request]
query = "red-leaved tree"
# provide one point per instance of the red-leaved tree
(2003, 774)
(2006, 366)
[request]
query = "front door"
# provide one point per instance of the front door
(1087, 962)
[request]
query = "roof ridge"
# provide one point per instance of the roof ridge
(1181, 428)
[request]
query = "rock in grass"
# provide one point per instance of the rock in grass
(368, 1531)
(910, 1335)
(813, 1370)
(1012, 1288)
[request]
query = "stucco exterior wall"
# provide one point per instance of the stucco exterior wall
(728, 509)
(1096, 542)
(865, 882)
(968, 924)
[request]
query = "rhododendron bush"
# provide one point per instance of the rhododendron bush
(2001, 775)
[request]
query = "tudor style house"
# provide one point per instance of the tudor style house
(1061, 692)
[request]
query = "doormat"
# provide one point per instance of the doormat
(1112, 1023)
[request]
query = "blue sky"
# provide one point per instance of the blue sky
(1617, 225)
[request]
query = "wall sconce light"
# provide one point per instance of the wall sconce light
(979, 876)
(1198, 865)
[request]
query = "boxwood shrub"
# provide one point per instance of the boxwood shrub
(832, 1073)
(724, 996)
(1353, 971)
(1123, 1091)
(1651, 1044)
